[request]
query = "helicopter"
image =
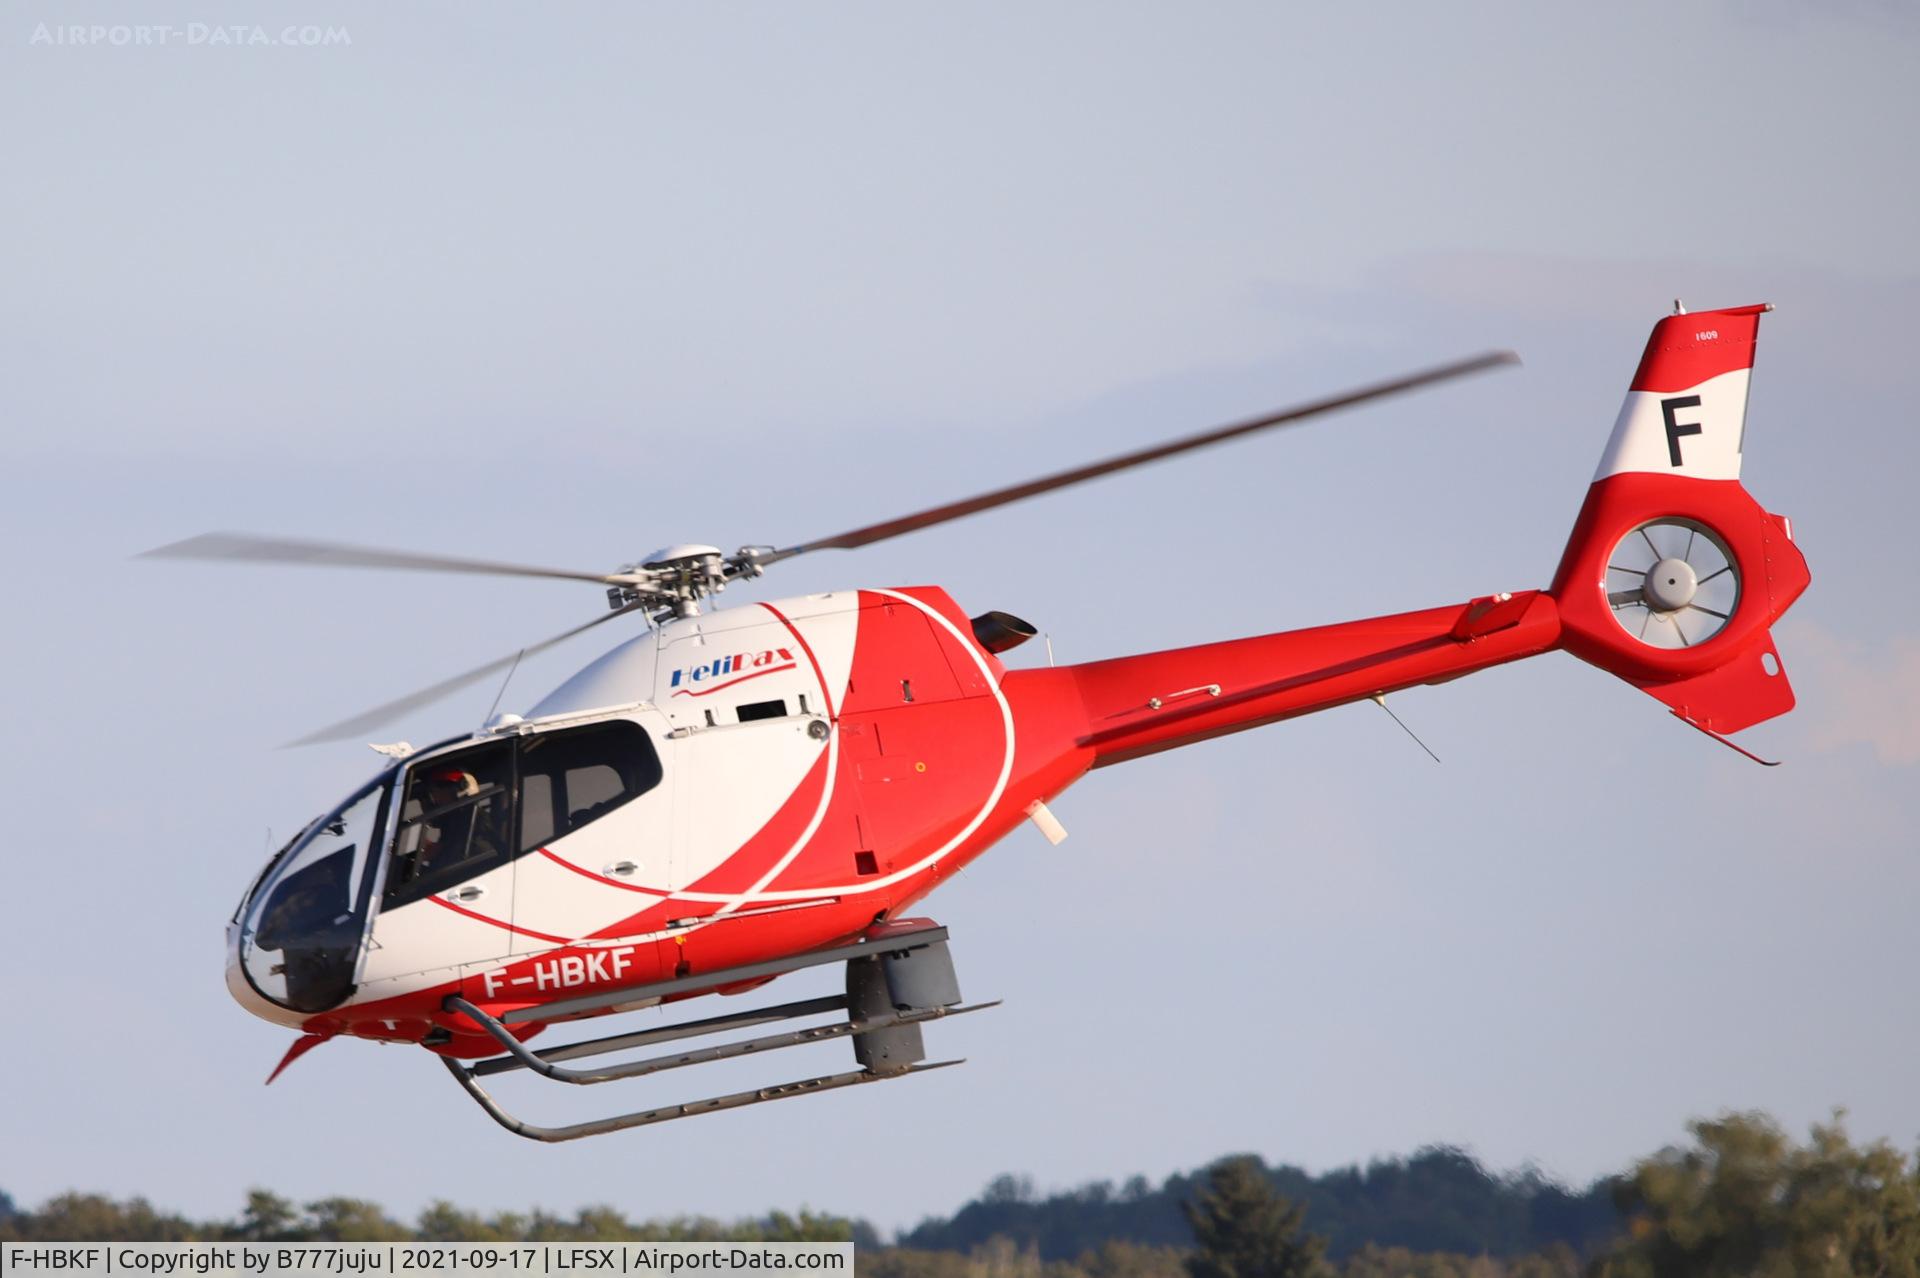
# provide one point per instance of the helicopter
(738, 794)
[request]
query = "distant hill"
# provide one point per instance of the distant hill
(1439, 1199)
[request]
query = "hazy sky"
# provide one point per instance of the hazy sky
(565, 284)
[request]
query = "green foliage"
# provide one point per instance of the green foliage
(906, 1262)
(267, 1218)
(1243, 1228)
(1399, 1262)
(97, 1218)
(441, 1221)
(808, 1226)
(1440, 1199)
(351, 1220)
(995, 1258)
(1557, 1261)
(1132, 1260)
(1740, 1199)
(1744, 1200)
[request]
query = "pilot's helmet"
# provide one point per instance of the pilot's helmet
(445, 785)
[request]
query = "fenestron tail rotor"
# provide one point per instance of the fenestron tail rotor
(1671, 583)
(671, 582)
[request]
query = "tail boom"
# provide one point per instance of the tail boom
(1141, 705)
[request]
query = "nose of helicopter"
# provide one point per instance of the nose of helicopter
(294, 945)
(243, 992)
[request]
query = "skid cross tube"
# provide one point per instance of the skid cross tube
(724, 976)
(643, 1118)
(667, 1033)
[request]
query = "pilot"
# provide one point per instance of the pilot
(444, 785)
(465, 833)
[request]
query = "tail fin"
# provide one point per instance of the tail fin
(1674, 574)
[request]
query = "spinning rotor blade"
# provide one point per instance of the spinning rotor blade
(287, 550)
(1002, 496)
(365, 722)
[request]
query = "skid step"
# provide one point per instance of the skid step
(526, 1059)
(894, 985)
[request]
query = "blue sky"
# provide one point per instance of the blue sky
(563, 287)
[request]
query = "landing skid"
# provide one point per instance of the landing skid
(897, 980)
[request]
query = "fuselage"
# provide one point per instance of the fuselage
(747, 784)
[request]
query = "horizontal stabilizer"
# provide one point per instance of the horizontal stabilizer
(1751, 688)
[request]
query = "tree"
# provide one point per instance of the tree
(441, 1221)
(97, 1218)
(1008, 1188)
(1744, 1200)
(1557, 1261)
(1244, 1228)
(806, 1226)
(1113, 1259)
(268, 1218)
(350, 1220)
(901, 1262)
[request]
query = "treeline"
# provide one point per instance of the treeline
(268, 1217)
(1440, 1199)
(1739, 1198)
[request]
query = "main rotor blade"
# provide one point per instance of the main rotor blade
(1002, 496)
(365, 722)
(287, 550)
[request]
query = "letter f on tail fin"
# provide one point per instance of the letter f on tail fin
(1686, 412)
(1674, 574)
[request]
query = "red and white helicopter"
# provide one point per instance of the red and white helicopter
(737, 794)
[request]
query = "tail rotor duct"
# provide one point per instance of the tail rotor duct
(1672, 583)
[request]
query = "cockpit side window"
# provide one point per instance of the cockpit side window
(465, 813)
(456, 821)
(574, 777)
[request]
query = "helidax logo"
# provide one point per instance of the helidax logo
(724, 672)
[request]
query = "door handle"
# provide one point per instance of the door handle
(622, 868)
(471, 892)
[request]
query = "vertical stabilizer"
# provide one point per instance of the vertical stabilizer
(1686, 412)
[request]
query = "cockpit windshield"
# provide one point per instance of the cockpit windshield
(301, 937)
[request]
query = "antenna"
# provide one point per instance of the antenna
(485, 719)
(1380, 699)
